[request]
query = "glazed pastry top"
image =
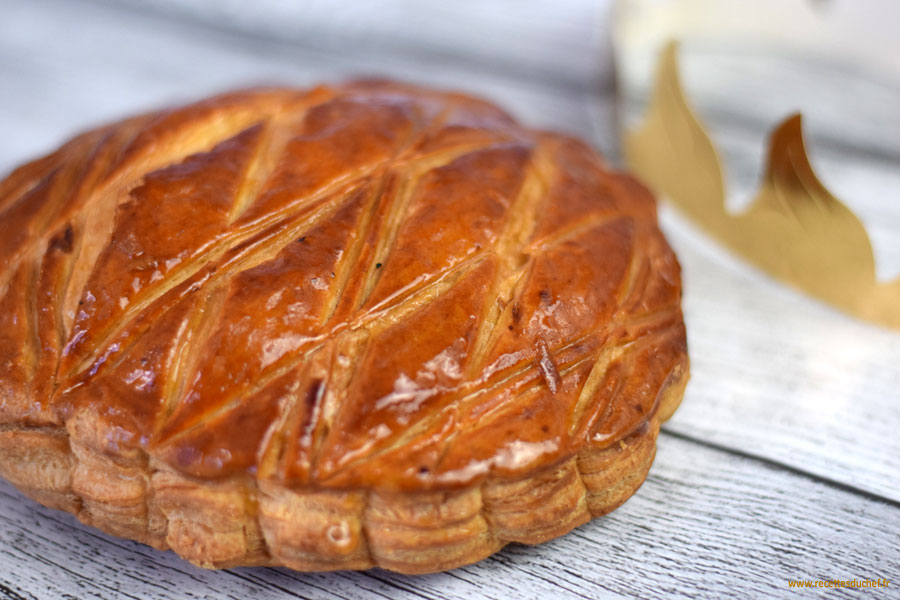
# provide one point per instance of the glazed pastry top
(360, 285)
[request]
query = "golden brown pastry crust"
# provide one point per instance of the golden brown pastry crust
(358, 325)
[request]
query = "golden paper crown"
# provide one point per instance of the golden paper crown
(794, 229)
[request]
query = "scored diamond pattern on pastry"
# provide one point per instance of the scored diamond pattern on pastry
(367, 285)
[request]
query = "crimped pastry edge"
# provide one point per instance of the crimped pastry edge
(243, 522)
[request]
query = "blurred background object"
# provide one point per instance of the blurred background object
(745, 67)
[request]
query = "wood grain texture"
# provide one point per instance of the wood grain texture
(59, 80)
(498, 37)
(703, 521)
(827, 405)
(706, 523)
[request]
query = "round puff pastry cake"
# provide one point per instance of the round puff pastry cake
(359, 325)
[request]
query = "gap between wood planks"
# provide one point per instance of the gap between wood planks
(775, 464)
(724, 120)
(11, 594)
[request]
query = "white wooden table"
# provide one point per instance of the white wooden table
(781, 464)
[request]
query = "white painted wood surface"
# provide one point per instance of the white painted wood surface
(705, 523)
(67, 65)
(783, 461)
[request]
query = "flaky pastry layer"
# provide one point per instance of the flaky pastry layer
(243, 522)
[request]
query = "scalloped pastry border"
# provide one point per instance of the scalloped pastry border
(240, 521)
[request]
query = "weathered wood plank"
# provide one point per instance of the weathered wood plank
(705, 524)
(549, 42)
(847, 105)
(59, 79)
